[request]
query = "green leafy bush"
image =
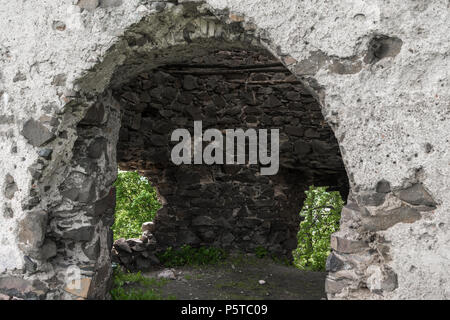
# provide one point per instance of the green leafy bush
(261, 252)
(136, 203)
(321, 214)
(186, 255)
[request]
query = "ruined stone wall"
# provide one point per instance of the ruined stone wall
(378, 68)
(228, 206)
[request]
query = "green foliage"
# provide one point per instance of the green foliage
(186, 255)
(321, 214)
(121, 278)
(282, 260)
(261, 252)
(134, 286)
(136, 203)
(134, 294)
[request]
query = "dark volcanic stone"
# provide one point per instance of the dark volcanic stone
(10, 187)
(417, 195)
(107, 204)
(189, 82)
(333, 263)
(94, 116)
(122, 245)
(36, 133)
(302, 147)
(391, 218)
(45, 153)
(32, 229)
(372, 198)
(81, 233)
(294, 130)
(383, 186)
(97, 148)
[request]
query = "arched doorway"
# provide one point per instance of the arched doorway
(168, 71)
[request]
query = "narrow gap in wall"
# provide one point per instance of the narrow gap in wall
(136, 203)
(320, 215)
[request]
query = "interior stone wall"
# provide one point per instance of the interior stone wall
(228, 206)
(379, 70)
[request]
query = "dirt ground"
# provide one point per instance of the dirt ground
(240, 278)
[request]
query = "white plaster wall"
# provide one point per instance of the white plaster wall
(383, 115)
(30, 45)
(387, 113)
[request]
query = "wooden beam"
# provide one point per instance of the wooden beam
(222, 66)
(224, 71)
(266, 82)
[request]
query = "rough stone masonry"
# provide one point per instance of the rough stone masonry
(378, 70)
(228, 206)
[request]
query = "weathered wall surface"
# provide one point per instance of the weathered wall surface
(380, 69)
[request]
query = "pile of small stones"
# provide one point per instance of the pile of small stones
(137, 253)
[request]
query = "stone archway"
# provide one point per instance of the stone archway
(151, 88)
(225, 86)
(229, 206)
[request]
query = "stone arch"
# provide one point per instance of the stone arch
(223, 204)
(80, 178)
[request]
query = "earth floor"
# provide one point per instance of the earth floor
(239, 278)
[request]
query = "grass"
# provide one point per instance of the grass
(134, 286)
(186, 255)
(240, 258)
(261, 252)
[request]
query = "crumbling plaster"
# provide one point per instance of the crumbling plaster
(391, 117)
